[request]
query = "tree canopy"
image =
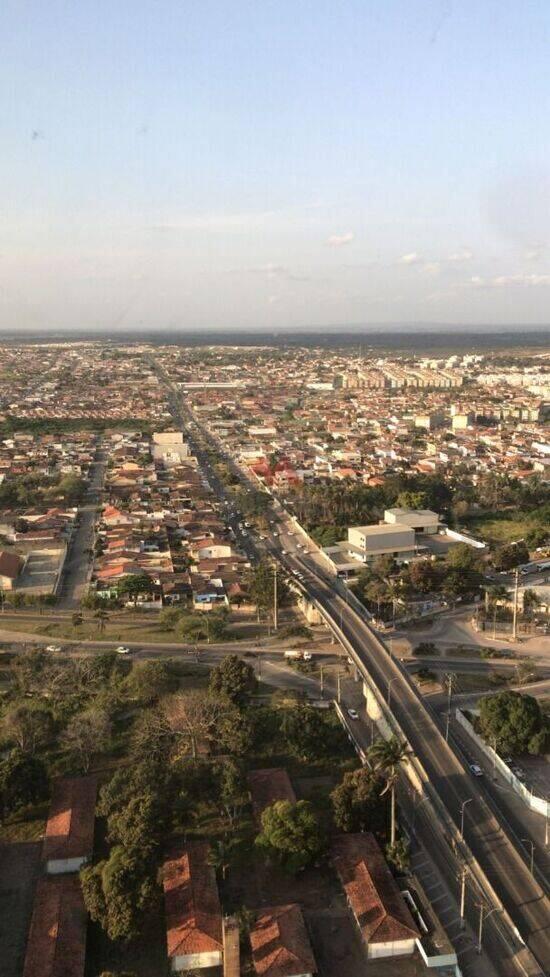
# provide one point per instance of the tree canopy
(513, 722)
(291, 834)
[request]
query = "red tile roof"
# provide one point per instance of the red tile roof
(268, 786)
(10, 564)
(280, 944)
(192, 905)
(372, 893)
(70, 827)
(56, 946)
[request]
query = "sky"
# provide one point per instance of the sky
(273, 164)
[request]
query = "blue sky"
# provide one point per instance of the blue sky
(262, 164)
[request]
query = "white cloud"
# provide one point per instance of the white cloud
(271, 299)
(533, 254)
(337, 240)
(505, 281)
(463, 255)
(410, 259)
(431, 268)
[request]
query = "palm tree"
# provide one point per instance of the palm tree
(387, 757)
(220, 855)
(102, 617)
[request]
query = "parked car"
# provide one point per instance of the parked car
(476, 769)
(353, 714)
(54, 649)
(123, 650)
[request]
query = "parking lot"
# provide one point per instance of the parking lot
(40, 572)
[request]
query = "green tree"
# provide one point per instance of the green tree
(221, 854)
(149, 681)
(511, 555)
(192, 717)
(232, 786)
(292, 834)
(511, 721)
(262, 587)
(119, 891)
(134, 584)
(398, 855)
(23, 780)
(411, 500)
(356, 801)
(233, 729)
(386, 757)
(233, 679)
(304, 730)
(77, 619)
(137, 826)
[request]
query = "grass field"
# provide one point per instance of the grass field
(498, 527)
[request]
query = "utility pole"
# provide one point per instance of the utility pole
(515, 624)
(338, 693)
(322, 677)
(450, 679)
(275, 609)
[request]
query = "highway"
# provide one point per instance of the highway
(449, 779)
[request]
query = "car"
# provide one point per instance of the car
(283, 552)
(123, 650)
(476, 769)
(353, 714)
(275, 534)
(53, 649)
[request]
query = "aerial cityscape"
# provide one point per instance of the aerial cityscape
(274, 489)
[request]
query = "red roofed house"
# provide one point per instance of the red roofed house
(268, 786)
(69, 839)
(381, 914)
(56, 946)
(11, 565)
(194, 934)
(280, 944)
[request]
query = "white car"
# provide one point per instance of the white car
(353, 714)
(54, 649)
(123, 650)
(476, 769)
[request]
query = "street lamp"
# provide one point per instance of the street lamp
(528, 841)
(482, 917)
(462, 809)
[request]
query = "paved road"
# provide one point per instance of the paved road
(76, 572)
(448, 778)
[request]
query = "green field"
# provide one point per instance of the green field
(499, 528)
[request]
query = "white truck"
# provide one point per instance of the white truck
(298, 656)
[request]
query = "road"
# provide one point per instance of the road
(76, 572)
(448, 777)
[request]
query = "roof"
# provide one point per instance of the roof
(56, 946)
(268, 786)
(70, 827)
(192, 905)
(383, 530)
(280, 944)
(10, 564)
(372, 893)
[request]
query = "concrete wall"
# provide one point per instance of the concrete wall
(538, 804)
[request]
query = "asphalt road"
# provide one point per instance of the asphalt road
(504, 867)
(77, 567)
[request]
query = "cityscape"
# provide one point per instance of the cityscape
(275, 660)
(274, 488)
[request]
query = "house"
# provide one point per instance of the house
(268, 786)
(194, 935)
(56, 945)
(384, 921)
(11, 565)
(280, 943)
(69, 839)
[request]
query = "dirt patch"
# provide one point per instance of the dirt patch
(19, 871)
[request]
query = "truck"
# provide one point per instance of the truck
(296, 655)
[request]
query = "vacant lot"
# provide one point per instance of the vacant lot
(498, 527)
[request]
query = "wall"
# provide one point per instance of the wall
(461, 538)
(538, 804)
